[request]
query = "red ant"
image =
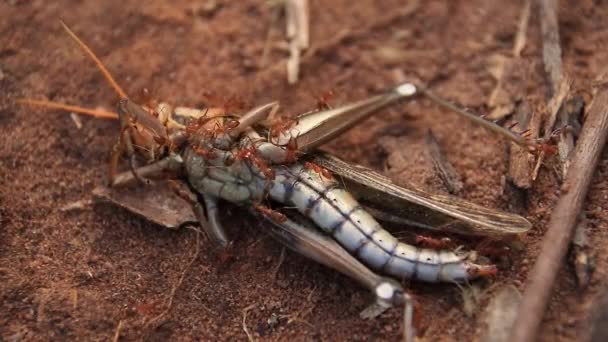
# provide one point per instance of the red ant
(429, 242)
(292, 151)
(281, 126)
(324, 98)
(251, 154)
(319, 169)
(270, 213)
(206, 153)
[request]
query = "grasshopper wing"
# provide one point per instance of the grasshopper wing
(155, 203)
(390, 202)
(316, 128)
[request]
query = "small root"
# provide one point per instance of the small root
(179, 282)
(117, 332)
(247, 309)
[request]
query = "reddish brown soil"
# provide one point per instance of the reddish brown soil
(77, 274)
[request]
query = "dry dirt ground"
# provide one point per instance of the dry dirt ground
(83, 274)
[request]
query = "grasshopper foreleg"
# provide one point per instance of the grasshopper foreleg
(214, 229)
(206, 211)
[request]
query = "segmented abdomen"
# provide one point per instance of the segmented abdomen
(335, 211)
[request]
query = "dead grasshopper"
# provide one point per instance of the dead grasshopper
(218, 156)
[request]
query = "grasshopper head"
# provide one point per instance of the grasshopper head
(141, 128)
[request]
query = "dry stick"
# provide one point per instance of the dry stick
(568, 117)
(563, 220)
(350, 34)
(297, 19)
(522, 30)
(552, 52)
(519, 156)
(552, 60)
(117, 331)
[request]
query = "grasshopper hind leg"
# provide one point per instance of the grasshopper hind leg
(299, 235)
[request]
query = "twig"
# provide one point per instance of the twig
(303, 20)
(117, 332)
(74, 299)
(447, 173)
(557, 86)
(522, 30)
(296, 13)
(568, 120)
(350, 34)
(563, 220)
(245, 310)
(519, 158)
(552, 52)
(278, 266)
(76, 119)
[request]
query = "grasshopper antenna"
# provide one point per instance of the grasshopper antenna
(99, 114)
(98, 62)
(95, 113)
(125, 111)
(516, 138)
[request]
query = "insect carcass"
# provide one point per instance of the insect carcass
(239, 160)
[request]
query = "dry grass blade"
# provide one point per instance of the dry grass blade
(349, 34)
(297, 21)
(522, 30)
(563, 220)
